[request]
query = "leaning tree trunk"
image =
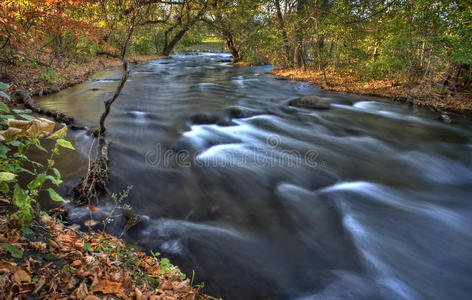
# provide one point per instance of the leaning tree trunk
(110, 101)
(168, 47)
(232, 48)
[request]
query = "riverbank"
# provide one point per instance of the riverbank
(39, 79)
(419, 95)
(49, 260)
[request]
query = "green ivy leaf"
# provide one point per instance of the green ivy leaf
(87, 246)
(39, 180)
(4, 187)
(27, 117)
(4, 86)
(26, 230)
(22, 111)
(3, 106)
(65, 144)
(19, 196)
(164, 262)
(14, 252)
(6, 117)
(55, 196)
(15, 143)
(4, 95)
(41, 148)
(4, 150)
(58, 175)
(7, 176)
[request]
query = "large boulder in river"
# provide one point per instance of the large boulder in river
(311, 102)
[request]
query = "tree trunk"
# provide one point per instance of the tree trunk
(232, 48)
(281, 21)
(168, 47)
(298, 59)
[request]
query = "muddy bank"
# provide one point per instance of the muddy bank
(419, 95)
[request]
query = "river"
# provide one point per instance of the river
(367, 200)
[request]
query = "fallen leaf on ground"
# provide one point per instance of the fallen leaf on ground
(81, 292)
(39, 246)
(20, 276)
(108, 287)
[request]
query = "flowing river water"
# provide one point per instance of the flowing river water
(367, 200)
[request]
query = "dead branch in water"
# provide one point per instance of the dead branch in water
(110, 101)
(93, 184)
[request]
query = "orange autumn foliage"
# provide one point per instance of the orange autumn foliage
(29, 23)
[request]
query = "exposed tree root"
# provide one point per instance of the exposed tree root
(93, 184)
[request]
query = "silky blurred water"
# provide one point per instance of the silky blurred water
(367, 200)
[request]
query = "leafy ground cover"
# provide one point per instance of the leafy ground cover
(49, 260)
(424, 94)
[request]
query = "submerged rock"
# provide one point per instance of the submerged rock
(200, 119)
(445, 118)
(311, 102)
(54, 88)
(238, 113)
(208, 119)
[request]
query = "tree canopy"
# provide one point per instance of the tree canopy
(402, 40)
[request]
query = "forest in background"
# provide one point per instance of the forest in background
(419, 51)
(419, 48)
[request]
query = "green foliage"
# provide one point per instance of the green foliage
(15, 164)
(14, 252)
(119, 205)
(86, 48)
(26, 230)
(144, 44)
(55, 196)
(65, 144)
(50, 75)
(87, 247)
(4, 86)
(4, 107)
(367, 39)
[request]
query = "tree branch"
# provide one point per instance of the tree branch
(110, 101)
